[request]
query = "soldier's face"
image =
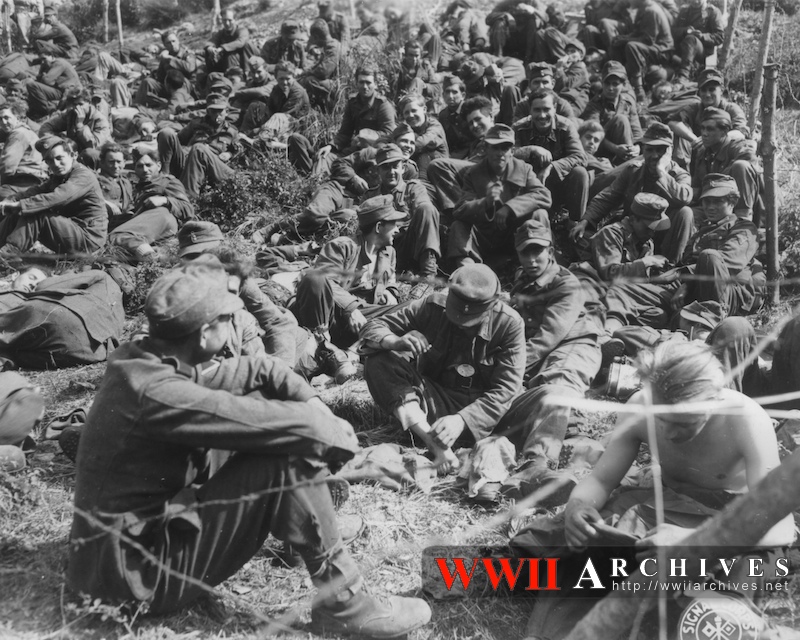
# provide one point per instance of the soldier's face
(710, 94)
(612, 87)
(146, 168)
(716, 208)
(8, 121)
(655, 155)
(391, 173)
(542, 112)
(413, 57)
(591, 141)
(453, 96)
(285, 80)
(28, 280)
(406, 144)
(498, 157)
(216, 115)
(214, 336)
(366, 86)
(544, 83)
(386, 231)
(711, 133)
(228, 23)
(59, 161)
(171, 43)
(112, 164)
(414, 114)
(534, 259)
(479, 123)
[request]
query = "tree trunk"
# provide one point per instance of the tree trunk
(763, 52)
(216, 16)
(105, 21)
(730, 29)
(770, 186)
(119, 24)
(739, 527)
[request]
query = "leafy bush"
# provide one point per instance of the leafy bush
(268, 190)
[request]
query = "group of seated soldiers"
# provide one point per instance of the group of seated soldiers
(586, 187)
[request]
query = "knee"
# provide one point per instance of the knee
(731, 330)
(201, 150)
(742, 170)
(683, 217)
(579, 177)
(313, 283)
(709, 260)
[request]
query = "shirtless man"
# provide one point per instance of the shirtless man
(707, 459)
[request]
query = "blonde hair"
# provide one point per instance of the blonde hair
(682, 372)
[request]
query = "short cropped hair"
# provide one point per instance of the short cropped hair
(477, 103)
(681, 372)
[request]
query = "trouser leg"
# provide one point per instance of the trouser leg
(747, 181)
(171, 152)
(733, 341)
(203, 165)
(618, 130)
(446, 175)
(256, 114)
(42, 98)
(61, 235)
(293, 503)
(328, 198)
(672, 242)
(422, 234)
(301, 153)
(689, 50)
(572, 191)
(313, 305)
(149, 227)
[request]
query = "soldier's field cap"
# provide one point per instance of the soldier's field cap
(533, 232)
(718, 185)
(614, 69)
(290, 25)
(198, 235)
(500, 134)
(44, 144)
(15, 84)
(652, 209)
(658, 135)
(378, 209)
(710, 75)
(184, 299)
(720, 116)
(216, 101)
(576, 44)
(474, 288)
(708, 313)
(539, 70)
(388, 153)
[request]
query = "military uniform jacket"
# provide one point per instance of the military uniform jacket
(674, 186)
(734, 238)
(707, 21)
(430, 143)
(20, 157)
(378, 114)
(652, 27)
(117, 190)
(562, 141)
(456, 131)
(692, 116)
(522, 192)
(146, 436)
(184, 61)
(617, 254)
(284, 50)
(171, 188)
(601, 109)
(222, 137)
(345, 259)
(77, 196)
(497, 354)
(92, 126)
(296, 104)
(552, 308)
(705, 161)
(60, 35)
(59, 74)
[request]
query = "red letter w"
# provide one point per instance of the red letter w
(461, 571)
(505, 572)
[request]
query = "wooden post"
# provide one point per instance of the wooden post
(770, 184)
(763, 52)
(105, 21)
(730, 29)
(119, 24)
(216, 16)
(739, 527)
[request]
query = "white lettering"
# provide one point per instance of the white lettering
(592, 577)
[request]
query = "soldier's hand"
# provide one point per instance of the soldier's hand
(414, 342)
(578, 230)
(155, 201)
(544, 174)
(359, 185)
(113, 208)
(579, 518)
(494, 193)
(225, 156)
(324, 152)
(541, 156)
(445, 431)
(356, 321)
(655, 261)
(502, 217)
